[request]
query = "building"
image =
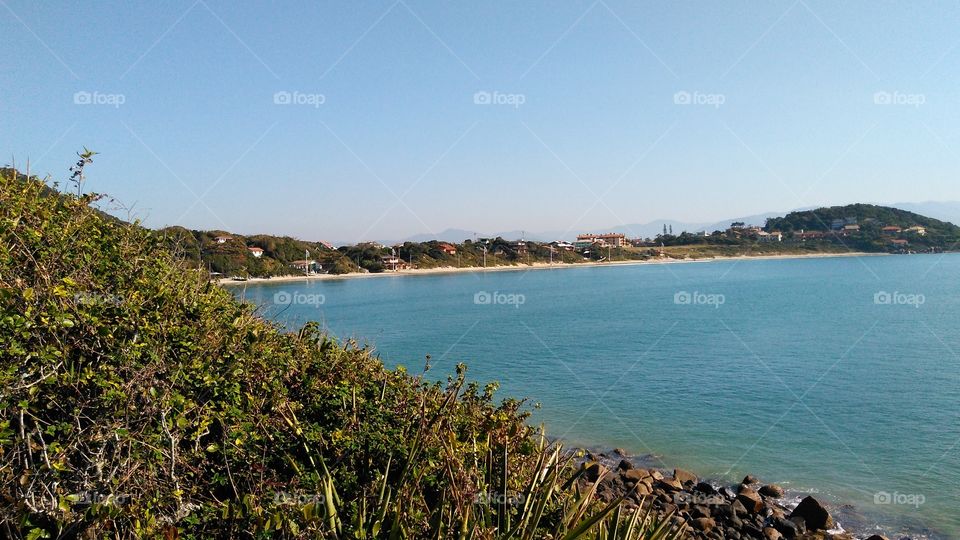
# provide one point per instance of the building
(921, 231)
(566, 246)
(851, 228)
(448, 248)
(325, 244)
(222, 239)
(255, 251)
(899, 242)
(521, 248)
(307, 266)
(812, 235)
(773, 236)
(892, 229)
(608, 239)
(392, 263)
(587, 243)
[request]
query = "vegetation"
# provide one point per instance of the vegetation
(137, 400)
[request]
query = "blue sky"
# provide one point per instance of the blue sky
(409, 116)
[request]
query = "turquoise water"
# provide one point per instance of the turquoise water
(787, 369)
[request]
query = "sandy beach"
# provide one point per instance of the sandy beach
(536, 266)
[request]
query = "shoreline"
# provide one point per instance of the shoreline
(539, 266)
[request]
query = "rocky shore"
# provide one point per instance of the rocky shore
(749, 510)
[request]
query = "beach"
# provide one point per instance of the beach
(536, 266)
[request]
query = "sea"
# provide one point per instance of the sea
(836, 376)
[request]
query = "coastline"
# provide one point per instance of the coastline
(539, 266)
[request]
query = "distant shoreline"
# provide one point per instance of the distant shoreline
(537, 266)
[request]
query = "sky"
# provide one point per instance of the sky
(376, 120)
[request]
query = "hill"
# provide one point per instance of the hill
(138, 400)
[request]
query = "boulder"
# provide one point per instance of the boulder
(684, 477)
(772, 490)
(771, 534)
(670, 484)
(704, 524)
(750, 500)
(878, 537)
(700, 511)
(815, 516)
(634, 475)
(786, 527)
(624, 465)
(748, 480)
(705, 488)
(593, 471)
(738, 508)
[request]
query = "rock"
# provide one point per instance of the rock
(750, 500)
(657, 475)
(750, 480)
(771, 534)
(700, 511)
(684, 477)
(732, 533)
(738, 508)
(727, 492)
(815, 516)
(634, 475)
(704, 524)
(878, 537)
(624, 465)
(786, 527)
(705, 488)
(670, 484)
(799, 523)
(620, 451)
(593, 471)
(772, 490)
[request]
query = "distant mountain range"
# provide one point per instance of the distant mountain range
(943, 210)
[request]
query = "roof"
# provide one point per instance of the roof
(254, 248)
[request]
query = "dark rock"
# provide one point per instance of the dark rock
(752, 530)
(772, 490)
(634, 475)
(738, 508)
(727, 492)
(704, 524)
(705, 488)
(733, 533)
(815, 516)
(750, 500)
(593, 471)
(799, 523)
(878, 537)
(700, 511)
(624, 465)
(786, 527)
(684, 477)
(749, 480)
(620, 451)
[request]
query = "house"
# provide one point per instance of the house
(325, 244)
(521, 248)
(851, 228)
(773, 236)
(222, 239)
(891, 229)
(566, 246)
(448, 248)
(608, 239)
(920, 231)
(307, 266)
(585, 243)
(812, 235)
(899, 242)
(255, 251)
(392, 262)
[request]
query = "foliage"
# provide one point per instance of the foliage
(139, 400)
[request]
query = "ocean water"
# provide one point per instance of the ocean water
(833, 376)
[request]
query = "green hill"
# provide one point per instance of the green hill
(138, 400)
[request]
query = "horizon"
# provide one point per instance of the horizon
(395, 119)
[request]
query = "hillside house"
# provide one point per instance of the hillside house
(255, 251)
